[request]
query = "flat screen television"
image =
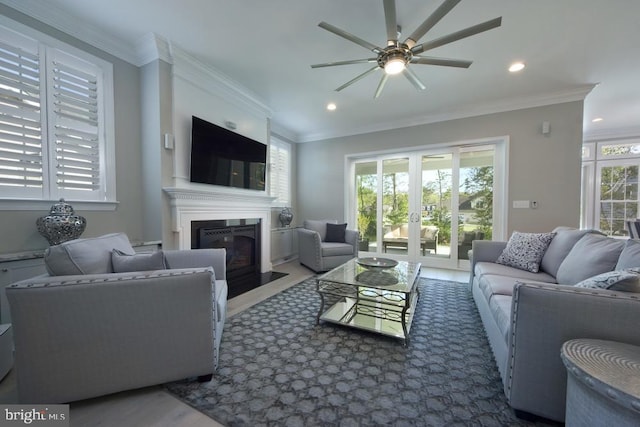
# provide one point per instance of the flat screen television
(222, 157)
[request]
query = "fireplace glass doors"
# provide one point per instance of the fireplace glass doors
(241, 240)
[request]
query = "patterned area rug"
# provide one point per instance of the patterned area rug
(278, 368)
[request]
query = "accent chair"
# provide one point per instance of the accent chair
(325, 244)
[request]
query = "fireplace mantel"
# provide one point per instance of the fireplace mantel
(219, 195)
(188, 204)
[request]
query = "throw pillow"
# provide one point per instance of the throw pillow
(124, 263)
(593, 254)
(335, 233)
(619, 280)
(525, 250)
(630, 256)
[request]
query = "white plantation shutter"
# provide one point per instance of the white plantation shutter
(21, 168)
(75, 125)
(280, 171)
(56, 121)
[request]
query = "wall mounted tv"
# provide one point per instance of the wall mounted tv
(222, 157)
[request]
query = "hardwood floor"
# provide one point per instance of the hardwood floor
(152, 406)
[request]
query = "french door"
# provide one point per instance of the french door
(427, 205)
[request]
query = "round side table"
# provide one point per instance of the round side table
(603, 383)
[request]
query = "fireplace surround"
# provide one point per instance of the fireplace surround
(218, 205)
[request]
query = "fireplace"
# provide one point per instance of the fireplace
(241, 240)
(217, 207)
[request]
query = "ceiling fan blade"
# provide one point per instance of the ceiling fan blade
(385, 76)
(428, 60)
(357, 40)
(390, 20)
(432, 20)
(458, 35)
(352, 81)
(353, 61)
(411, 76)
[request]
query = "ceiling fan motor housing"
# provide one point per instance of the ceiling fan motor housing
(397, 51)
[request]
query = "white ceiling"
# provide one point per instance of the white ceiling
(268, 47)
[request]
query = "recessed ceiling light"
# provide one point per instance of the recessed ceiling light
(597, 119)
(331, 106)
(516, 66)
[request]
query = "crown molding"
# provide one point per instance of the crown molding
(578, 93)
(151, 47)
(53, 17)
(283, 132)
(210, 79)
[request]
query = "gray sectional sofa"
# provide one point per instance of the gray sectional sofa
(106, 319)
(529, 315)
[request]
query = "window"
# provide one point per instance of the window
(610, 185)
(280, 172)
(55, 106)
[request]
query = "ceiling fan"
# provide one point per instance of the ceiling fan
(396, 56)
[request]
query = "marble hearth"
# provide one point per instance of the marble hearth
(188, 205)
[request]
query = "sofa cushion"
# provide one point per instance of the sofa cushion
(525, 250)
(500, 306)
(124, 263)
(618, 280)
(496, 285)
(592, 255)
(560, 246)
(396, 232)
(318, 226)
(492, 268)
(630, 256)
(335, 233)
(85, 256)
(336, 249)
(429, 232)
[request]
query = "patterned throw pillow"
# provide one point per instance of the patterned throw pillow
(619, 280)
(525, 250)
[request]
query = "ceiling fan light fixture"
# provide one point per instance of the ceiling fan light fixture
(395, 65)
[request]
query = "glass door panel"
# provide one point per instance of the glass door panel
(366, 204)
(395, 206)
(429, 206)
(437, 185)
(618, 197)
(475, 207)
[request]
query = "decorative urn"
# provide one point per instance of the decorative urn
(286, 216)
(61, 224)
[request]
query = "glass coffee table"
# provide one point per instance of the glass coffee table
(374, 294)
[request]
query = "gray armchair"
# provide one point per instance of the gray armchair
(95, 326)
(315, 252)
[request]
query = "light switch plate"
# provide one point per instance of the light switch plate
(521, 204)
(168, 141)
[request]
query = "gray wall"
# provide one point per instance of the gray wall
(18, 229)
(542, 168)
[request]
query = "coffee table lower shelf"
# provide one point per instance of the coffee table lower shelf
(372, 316)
